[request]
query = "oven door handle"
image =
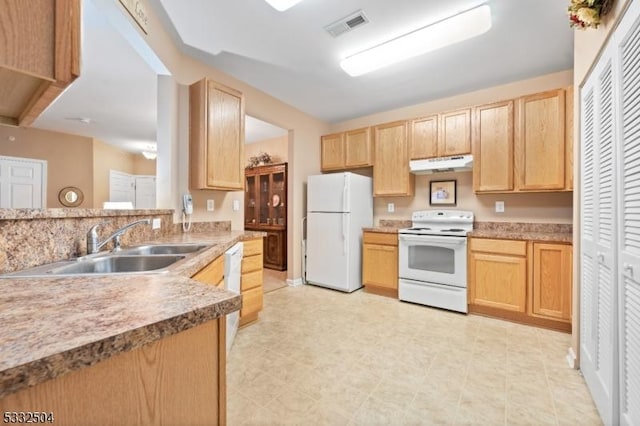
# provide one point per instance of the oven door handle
(429, 239)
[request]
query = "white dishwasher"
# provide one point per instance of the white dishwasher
(232, 273)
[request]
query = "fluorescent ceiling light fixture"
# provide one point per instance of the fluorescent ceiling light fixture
(443, 33)
(282, 5)
(149, 155)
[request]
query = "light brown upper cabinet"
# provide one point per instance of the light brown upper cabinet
(568, 125)
(39, 55)
(493, 147)
(540, 142)
(441, 135)
(424, 137)
(216, 136)
(391, 175)
(346, 150)
(332, 151)
(454, 133)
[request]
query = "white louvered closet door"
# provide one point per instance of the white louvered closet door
(599, 296)
(629, 216)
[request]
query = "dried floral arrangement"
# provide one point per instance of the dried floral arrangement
(261, 158)
(585, 14)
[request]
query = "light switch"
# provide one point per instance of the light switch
(210, 205)
(391, 207)
(157, 222)
(499, 206)
(236, 205)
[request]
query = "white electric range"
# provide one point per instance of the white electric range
(432, 263)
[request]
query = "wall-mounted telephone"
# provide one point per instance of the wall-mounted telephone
(187, 204)
(187, 211)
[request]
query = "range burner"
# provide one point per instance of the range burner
(452, 230)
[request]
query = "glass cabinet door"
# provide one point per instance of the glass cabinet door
(265, 216)
(250, 216)
(278, 197)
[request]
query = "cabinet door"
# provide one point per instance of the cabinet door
(391, 171)
(275, 250)
(332, 151)
(380, 266)
(216, 137)
(225, 138)
(454, 133)
(493, 147)
(540, 143)
(39, 58)
(498, 281)
(568, 138)
(423, 134)
(552, 281)
(358, 148)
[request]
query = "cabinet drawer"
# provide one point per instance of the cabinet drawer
(251, 263)
(251, 280)
(518, 248)
(380, 238)
(251, 247)
(211, 274)
(251, 301)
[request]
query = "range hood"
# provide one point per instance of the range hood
(458, 163)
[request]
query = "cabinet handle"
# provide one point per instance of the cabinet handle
(600, 257)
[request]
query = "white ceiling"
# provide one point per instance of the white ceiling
(258, 130)
(290, 56)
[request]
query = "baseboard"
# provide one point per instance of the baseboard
(294, 282)
(572, 358)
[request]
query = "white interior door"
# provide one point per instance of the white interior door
(629, 218)
(327, 250)
(121, 187)
(145, 192)
(23, 183)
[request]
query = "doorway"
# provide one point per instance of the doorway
(23, 183)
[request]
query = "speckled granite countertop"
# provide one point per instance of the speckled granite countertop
(549, 232)
(51, 326)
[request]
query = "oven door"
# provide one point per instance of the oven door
(435, 259)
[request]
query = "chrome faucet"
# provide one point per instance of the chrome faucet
(93, 246)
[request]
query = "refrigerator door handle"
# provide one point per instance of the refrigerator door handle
(344, 233)
(344, 193)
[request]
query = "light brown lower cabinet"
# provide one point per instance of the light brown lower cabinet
(251, 281)
(380, 263)
(522, 281)
(179, 379)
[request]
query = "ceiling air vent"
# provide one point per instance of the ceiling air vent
(347, 23)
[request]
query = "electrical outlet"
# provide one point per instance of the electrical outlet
(156, 223)
(236, 205)
(499, 206)
(210, 205)
(391, 207)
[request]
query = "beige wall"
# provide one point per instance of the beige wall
(304, 134)
(277, 147)
(105, 158)
(555, 208)
(69, 159)
(142, 166)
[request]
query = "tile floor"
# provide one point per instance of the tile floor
(320, 357)
(273, 280)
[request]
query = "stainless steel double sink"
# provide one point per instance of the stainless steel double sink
(151, 258)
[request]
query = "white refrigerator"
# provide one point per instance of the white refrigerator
(339, 205)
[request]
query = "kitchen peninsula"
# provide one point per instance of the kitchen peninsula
(134, 349)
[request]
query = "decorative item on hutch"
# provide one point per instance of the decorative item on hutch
(261, 159)
(585, 14)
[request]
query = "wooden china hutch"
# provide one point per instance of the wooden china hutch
(265, 209)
